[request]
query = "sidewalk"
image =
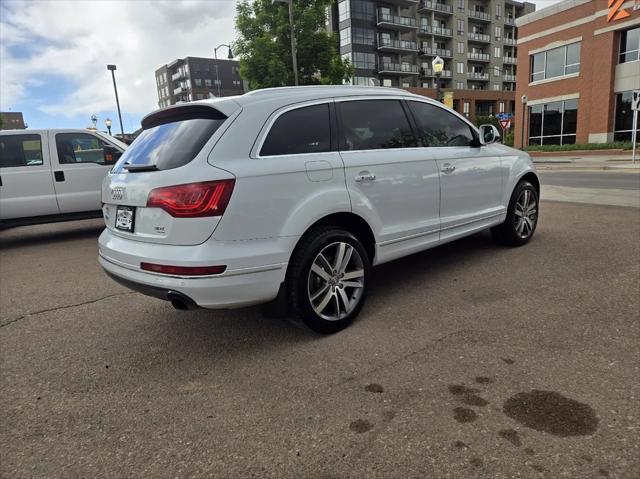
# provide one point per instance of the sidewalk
(588, 162)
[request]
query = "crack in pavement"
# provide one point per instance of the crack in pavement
(11, 321)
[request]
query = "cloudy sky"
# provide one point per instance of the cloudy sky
(53, 54)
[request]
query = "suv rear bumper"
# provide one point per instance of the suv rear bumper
(240, 285)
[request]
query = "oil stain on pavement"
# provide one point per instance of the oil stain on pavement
(467, 395)
(551, 412)
(463, 414)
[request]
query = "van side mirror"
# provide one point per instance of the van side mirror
(489, 134)
(111, 154)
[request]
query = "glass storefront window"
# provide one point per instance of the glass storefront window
(556, 62)
(624, 117)
(553, 123)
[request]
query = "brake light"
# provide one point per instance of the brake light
(209, 198)
(183, 270)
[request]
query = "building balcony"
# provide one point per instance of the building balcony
(402, 69)
(510, 21)
(479, 57)
(428, 73)
(510, 60)
(478, 76)
(432, 52)
(179, 75)
(482, 16)
(401, 46)
(436, 31)
(394, 22)
(479, 37)
(510, 41)
(180, 90)
(508, 77)
(428, 5)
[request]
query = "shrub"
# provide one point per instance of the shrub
(617, 145)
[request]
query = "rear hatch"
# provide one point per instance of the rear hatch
(162, 189)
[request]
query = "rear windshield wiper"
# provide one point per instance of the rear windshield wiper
(136, 168)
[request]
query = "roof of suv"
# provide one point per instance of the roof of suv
(294, 94)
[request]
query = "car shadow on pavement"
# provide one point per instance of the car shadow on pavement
(46, 234)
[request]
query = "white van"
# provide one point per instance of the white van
(53, 175)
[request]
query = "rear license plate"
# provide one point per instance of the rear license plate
(125, 216)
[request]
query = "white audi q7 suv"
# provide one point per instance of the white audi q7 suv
(291, 195)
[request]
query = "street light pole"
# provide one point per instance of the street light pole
(523, 100)
(215, 56)
(112, 68)
(294, 55)
(438, 65)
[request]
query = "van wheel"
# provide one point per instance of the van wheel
(522, 217)
(327, 279)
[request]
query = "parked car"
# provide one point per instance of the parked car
(53, 175)
(293, 194)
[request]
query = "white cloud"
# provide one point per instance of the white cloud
(75, 40)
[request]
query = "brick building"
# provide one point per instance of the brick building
(12, 120)
(194, 78)
(579, 61)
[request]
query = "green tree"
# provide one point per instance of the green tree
(264, 44)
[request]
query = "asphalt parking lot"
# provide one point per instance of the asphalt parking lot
(469, 360)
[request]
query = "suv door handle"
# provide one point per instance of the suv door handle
(448, 168)
(365, 176)
(58, 175)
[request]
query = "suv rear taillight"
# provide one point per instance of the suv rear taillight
(209, 198)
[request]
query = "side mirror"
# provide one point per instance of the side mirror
(489, 134)
(111, 154)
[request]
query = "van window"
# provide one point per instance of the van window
(375, 124)
(79, 148)
(171, 138)
(438, 127)
(20, 150)
(303, 130)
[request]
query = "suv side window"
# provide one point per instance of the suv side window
(303, 130)
(438, 127)
(375, 124)
(20, 150)
(79, 148)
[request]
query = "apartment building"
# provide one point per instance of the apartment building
(12, 120)
(194, 78)
(579, 64)
(395, 42)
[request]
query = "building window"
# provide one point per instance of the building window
(501, 107)
(465, 108)
(345, 36)
(461, 5)
(460, 67)
(630, 45)
(498, 33)
(363, 36)
(197, 82)
(366, 61)
(460, 47)
(207, 82)
(556, 62)
(343, 10)
(553, 123)
(460, 27)
(362, 81)
(496, 87)
(363, 9)
(624, 117)
(459, 85)
(496, 52)
(498, 11)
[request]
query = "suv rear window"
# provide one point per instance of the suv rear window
(171, 138)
